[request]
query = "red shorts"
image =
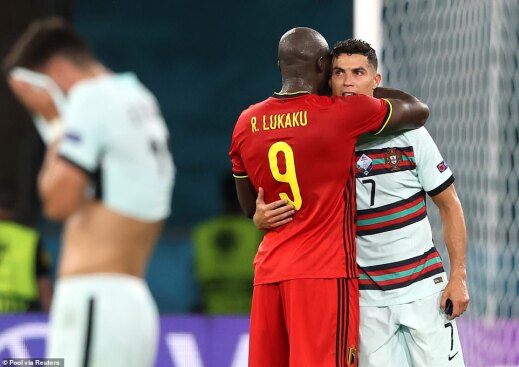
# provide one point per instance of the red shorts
(305, 323)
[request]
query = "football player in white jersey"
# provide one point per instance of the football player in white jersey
(407, 304)
(108, 175)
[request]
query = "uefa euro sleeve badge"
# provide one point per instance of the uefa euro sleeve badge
(365, 164)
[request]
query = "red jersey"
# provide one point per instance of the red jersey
(301, 147)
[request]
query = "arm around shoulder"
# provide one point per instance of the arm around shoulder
(406, 111)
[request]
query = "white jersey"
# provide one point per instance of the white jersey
(397, 260)
(115, 132)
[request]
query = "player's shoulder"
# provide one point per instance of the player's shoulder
(358, 102)
(418, 136)
(106, 87)
(354, 99)
(254, 109)
(394, 139)
(256, 106)
(89, 93)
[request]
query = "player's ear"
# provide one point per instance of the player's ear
(376, 80)
(321, 64)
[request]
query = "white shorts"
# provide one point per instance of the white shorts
(415, 334)
(103, 320)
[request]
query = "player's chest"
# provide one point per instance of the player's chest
(385, 175)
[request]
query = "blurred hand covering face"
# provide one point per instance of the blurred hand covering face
(40, 95)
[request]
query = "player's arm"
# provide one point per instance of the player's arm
(246, 195)
(36, 100)
(61, 185)
(455, 237)
(406, 111)
(32, 91)
(275, 214)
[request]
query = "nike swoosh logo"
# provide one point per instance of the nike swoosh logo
(455, 354)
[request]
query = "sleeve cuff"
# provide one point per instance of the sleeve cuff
(442, 187)
(387, 117)
(77, 165)
(240, 175)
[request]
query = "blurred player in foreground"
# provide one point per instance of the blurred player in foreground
(109, 177)
(300, 146)
(401, 273)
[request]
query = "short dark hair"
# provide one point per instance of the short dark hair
(44, 39)
(354, 46)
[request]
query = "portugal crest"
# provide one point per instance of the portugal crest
(393, 156)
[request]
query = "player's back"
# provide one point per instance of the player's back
(115, 133)
(301, 148)
(128, 145)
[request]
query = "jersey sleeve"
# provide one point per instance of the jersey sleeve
(433, 172)
(83, 141)
(238, 167)
(368, 114)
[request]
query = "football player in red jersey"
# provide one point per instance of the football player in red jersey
(402, 280)
(299, 146)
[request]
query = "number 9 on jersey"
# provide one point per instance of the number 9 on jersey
(289, 176)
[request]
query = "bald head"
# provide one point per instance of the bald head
(303, 44)
(303, 53)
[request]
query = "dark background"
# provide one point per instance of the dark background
(205, 61)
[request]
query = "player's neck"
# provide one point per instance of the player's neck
(66, 74)
(297, 85)
(92, 71)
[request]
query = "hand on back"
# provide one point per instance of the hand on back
(273, 215)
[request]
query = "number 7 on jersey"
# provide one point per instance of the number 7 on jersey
(289, 176)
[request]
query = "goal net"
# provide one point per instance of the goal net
(462, 58)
